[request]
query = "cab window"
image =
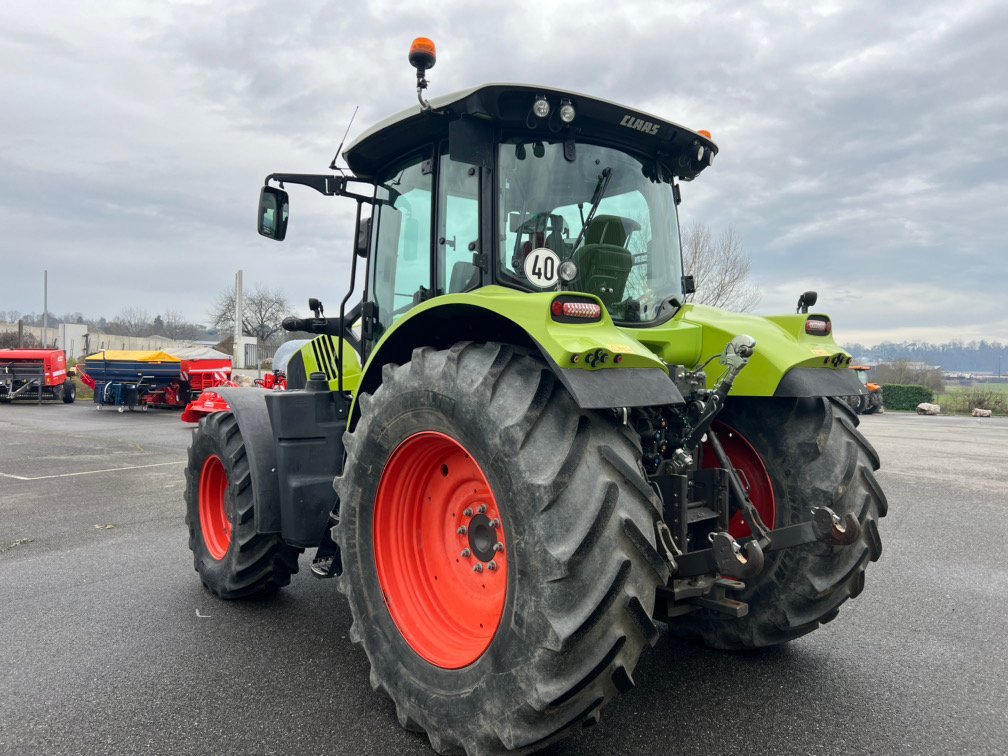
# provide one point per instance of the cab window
(401, 267)
(458, 227)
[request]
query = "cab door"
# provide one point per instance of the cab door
(400, 271)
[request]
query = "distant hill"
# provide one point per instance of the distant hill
(971, 356)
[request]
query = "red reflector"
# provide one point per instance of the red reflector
(578, 309)
(557, 307)
(817, 327)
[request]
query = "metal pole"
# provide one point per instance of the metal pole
(238, 357)
(45, 307)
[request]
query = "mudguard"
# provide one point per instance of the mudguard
(599, 363)
(249, 408)
(787, 361)
(294, 444)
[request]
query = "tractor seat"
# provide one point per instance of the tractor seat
(610, 229)
(603, 262)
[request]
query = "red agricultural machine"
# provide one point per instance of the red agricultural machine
(211, 401)
(35, 374)
(143, 379)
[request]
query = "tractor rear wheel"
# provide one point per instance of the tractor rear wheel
(813, 455)
(873, 403)
(498, 546)
(232, 559)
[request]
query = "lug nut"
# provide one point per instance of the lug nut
(481, 509)
(491, 566)
(498, 547)
(468, 512)
(462, 530)
(477, 568)
(494, 523)
(466, 553)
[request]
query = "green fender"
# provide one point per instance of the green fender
(785, 353)
(787, 362)
(602, 365)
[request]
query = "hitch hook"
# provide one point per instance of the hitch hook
(730, 559)
(829, 528)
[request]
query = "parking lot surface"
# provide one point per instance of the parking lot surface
(109, 643)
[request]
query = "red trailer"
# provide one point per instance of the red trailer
(35, 374)
(169, 378)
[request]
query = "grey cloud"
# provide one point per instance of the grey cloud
(863, 147)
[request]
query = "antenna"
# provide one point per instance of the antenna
(332, 165)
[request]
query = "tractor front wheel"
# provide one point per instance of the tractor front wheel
(498, 546)
(232, 559)
(796, 454)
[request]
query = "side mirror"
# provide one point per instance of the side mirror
(806, 300)
(273, 212)
(689, 284)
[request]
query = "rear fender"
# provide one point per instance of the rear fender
(495, 313)
(788, 362)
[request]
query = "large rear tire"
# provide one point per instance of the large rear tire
(485, 659)
(232, 559)
(814, 456)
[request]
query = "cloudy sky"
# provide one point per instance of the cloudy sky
(864, 145)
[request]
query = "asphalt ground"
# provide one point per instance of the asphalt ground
(109, 643)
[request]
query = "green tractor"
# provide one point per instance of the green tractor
(523, 448)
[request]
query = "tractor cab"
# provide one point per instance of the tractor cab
(523, 187)
(533, 467)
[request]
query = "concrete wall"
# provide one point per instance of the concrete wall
(76, 339)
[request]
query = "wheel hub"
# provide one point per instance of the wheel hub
(482, 537)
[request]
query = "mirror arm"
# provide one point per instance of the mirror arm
(330, 186)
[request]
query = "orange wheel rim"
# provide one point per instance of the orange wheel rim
(440, 550)
(214, 521)
(754, 475)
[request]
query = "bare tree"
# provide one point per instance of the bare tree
(263, 311)
(10, 316)
(9, 340)
(174, 324)
(720, 267)
(131, 321)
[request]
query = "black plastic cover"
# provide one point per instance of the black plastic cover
(249, 408)
(804, 381)
(620, 387)
(308, 428)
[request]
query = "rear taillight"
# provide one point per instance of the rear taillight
(818, 325)
(575, 310)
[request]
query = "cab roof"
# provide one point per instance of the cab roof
(683, 151)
